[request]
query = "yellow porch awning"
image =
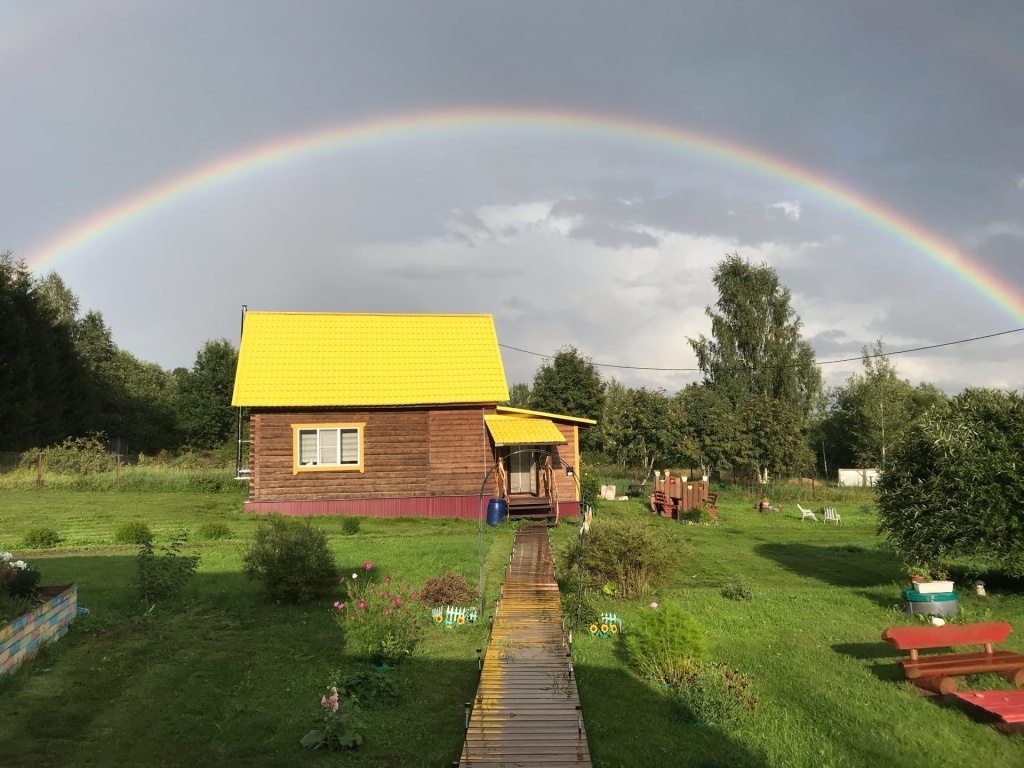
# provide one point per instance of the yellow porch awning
(514, 430)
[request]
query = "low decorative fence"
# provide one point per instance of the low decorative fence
(20, 640)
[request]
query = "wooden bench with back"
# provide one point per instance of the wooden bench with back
(936, 672)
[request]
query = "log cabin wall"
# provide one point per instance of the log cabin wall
(567, 457)
(408, 452)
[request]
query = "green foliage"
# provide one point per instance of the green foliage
(625, 551)
(634, 425)
(42, 537)
(590, 488)
(74, 456)
(336, 730)
(952, 485)
(133, 532)
(519, 395)
(697, 516)
(665, 644)
(713, 694)
(755, 346)
(450, 589)
(738, 590)
(570, 384)
(18, 580)
(383, 622)
(12, 606)
(213, 531)
(372, 689)
(291, 559)
(162, 574)
(703, 428)
(205, 413)
(350, 525)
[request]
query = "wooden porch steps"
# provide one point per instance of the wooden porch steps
(527, 709)
(530, 508)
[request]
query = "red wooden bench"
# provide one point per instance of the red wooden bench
(1006, 707)
(662, 504)
(936, 672)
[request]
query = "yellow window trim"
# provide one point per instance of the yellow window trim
(358, 426)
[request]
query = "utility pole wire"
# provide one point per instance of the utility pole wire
(790, 365)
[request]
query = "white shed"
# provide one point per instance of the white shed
(858, 478)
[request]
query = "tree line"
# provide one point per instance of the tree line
(62, 375)
(760, 409)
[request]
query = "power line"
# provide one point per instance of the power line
(790, 365)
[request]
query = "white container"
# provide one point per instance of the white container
(934, 587)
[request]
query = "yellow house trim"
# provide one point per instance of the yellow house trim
(358, 426)
(576, 461)
(510, 411)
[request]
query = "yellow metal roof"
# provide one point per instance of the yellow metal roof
(506, 409)
(513, 430)
(324, 359)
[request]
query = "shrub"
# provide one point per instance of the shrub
(666, 644)
(627, 552)
(75, 456)
(42, 538)
(134, 532)
(336, 730)
(292, 560)
(18, 580)
(951, 485)
(163, 575)
(738, 590)
(211, 531)
(698, 516)
(350, 525)
(590, 488)
(371, 689)
(382, 622)
(450, 589)
(714, 694)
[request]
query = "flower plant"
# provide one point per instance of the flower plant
(382, 621)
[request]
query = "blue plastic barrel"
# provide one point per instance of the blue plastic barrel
(496, 511)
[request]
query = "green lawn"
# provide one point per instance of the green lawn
(830, 692)
(221, 678)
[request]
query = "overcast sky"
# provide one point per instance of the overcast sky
(606, 242)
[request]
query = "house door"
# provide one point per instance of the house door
(522, 471)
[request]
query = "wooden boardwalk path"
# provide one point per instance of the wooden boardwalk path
(527, 710)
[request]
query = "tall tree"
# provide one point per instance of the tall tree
(519, 395)
(703, 429)
(570, 384)
(755, 346)
(634, 426)
(206, 416)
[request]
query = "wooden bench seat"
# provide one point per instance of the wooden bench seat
(935, 672)
(1005, 707)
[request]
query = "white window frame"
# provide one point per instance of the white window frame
(318, 465)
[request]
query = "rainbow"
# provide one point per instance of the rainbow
(421, 125)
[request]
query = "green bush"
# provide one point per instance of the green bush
(590, 488)
(951, 485)
(738, 590)
(292, 560)
(42, 538)
(133, 532)
(666, 644)
(627, 552)
(714, 694)
(212, 531)
(350, 525)
(697, 516)
(382, 623)
(450, 589)
(75, 456)
(162, 575)
(18, 583)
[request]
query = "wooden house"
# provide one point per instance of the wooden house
(394, 415)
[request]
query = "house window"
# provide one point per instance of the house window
(328, 447)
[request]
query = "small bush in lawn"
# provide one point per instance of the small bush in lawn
(133, 532)
(666, 644)
(450, 589)
(382, 622)
(291, 559)
(715, 694)
(372, 689)
(336, 729)
(738, 590)
(42, 538)
(18, 580)
(163, 574)
(626, 552)
(698, 516)
(350, 525)
(212, 531)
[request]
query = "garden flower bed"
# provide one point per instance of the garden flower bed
(20, 640)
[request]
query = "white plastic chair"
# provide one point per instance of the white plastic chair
(805, 513)
(831, 516)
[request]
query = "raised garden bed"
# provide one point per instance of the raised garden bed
(20, 640)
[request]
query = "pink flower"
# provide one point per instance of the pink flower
(339, 605)
(387, 579)
(398, 601)
(412, 596)
(387, 613)
(362, 604)
(351, 618)
(654, 606)
(367, 566)
(323, 702)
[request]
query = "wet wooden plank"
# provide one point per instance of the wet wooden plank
(526, 711)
